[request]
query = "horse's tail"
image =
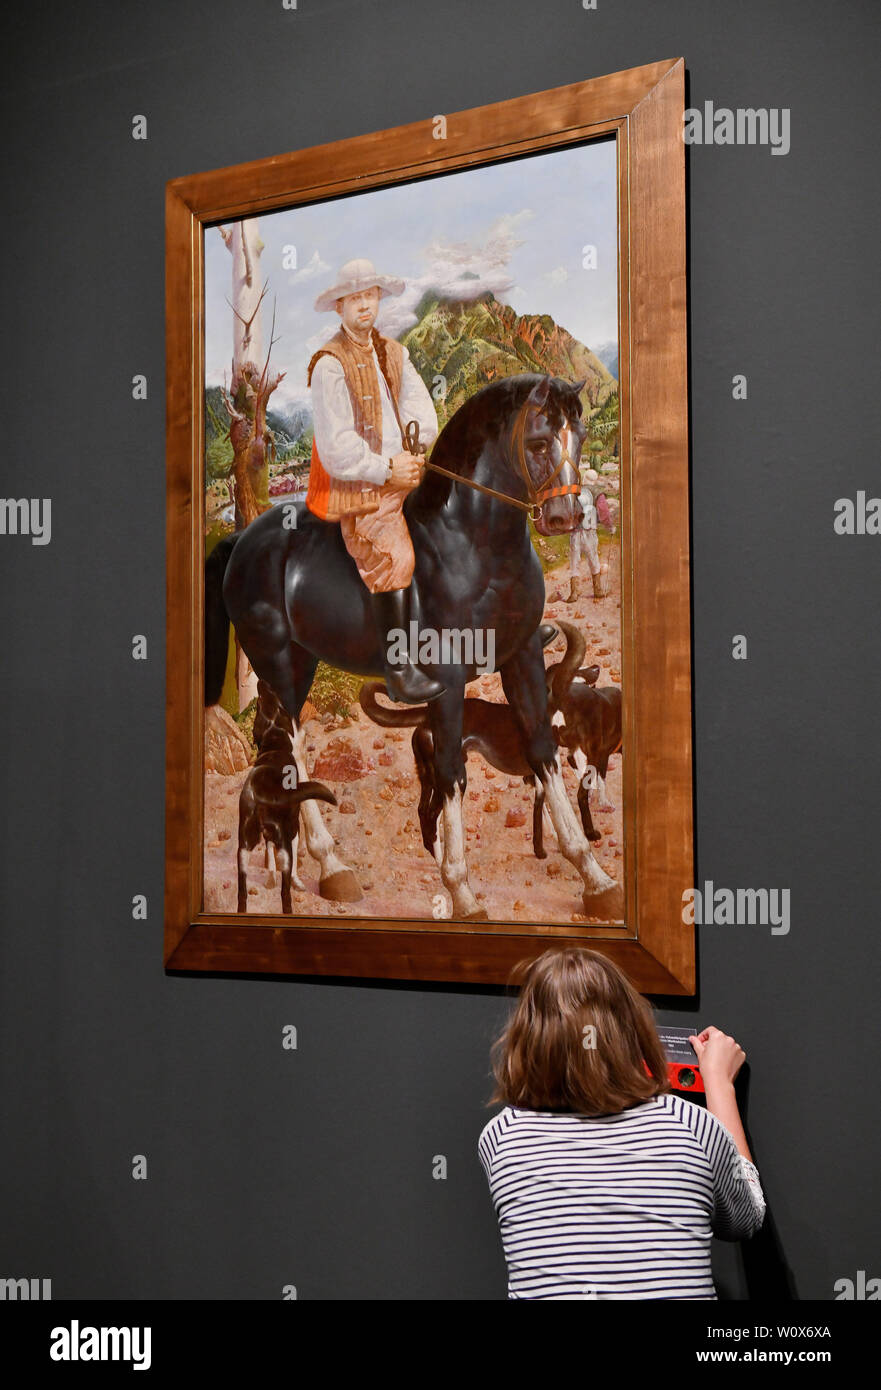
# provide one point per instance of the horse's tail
(389, 718)
(216, 618)
(561, 675)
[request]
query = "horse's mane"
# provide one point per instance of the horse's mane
(481, 419)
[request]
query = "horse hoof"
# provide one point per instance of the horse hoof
(341, 887)
(478, 916)
(609, 905)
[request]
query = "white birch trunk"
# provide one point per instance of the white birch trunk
(242, 240)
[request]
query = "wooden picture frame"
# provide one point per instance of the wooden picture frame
(642, 108)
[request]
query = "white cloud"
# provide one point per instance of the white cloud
(558, 276)
(314, 266)
(458, 269)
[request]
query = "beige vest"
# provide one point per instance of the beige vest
(332, 498)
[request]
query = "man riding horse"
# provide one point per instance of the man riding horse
(363, 385)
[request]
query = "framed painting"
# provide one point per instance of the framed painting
(428, 644)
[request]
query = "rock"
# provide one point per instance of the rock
(385, 759)
(226, 749)
(519, 905)
(491, 803)
(340, 761)
(308, 712)
(553, 871)
(347, 808)
(226, 835)
(514, 817)
(379, 743)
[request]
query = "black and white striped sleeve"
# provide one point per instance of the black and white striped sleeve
(738, 1200)
(488, 1143)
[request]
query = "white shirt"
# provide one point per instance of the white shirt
(343, 453)
(617, 1206)
(588, 508)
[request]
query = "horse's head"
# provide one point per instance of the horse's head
(546, 446)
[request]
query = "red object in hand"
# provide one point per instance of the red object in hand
(603, 512)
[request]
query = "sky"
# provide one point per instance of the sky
(517, 228)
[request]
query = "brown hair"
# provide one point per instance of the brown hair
(578, 1039)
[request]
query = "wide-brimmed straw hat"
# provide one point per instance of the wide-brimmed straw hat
(356, 275)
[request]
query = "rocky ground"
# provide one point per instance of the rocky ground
(376, 826)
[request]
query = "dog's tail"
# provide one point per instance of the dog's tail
(561, 675)
(312, 791)
(389, 718)
(216, 618)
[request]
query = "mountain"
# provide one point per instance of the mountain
(287, 425)
(608, 355)
(473, 342)
(290, 421)
(470, 342)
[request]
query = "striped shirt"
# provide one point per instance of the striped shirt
(617, 1206)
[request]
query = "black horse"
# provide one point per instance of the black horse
(294, 595)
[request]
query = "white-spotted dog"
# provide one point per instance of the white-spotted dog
(269, 803)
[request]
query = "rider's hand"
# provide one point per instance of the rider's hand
(406, 472)
(719, 1057)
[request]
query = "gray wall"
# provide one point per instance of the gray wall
(313, 1167)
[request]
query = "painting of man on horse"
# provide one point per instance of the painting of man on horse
(407, 529)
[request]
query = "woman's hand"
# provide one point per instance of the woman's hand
(719, 1057)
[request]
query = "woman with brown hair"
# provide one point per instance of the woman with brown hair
(605, 1183)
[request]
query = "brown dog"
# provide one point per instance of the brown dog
(269, 802)
(587, 722)
(487, 728)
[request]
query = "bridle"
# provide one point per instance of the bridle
(537, 495)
